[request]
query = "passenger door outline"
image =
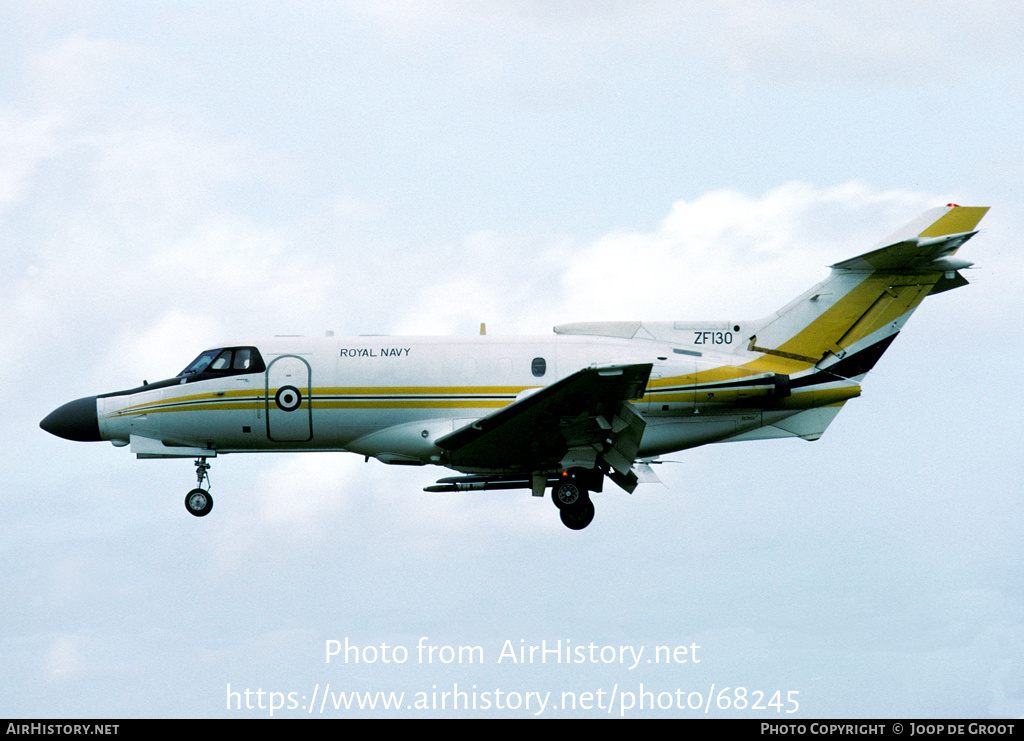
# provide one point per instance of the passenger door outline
(289, 400)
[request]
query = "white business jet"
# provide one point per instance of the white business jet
(559, 412)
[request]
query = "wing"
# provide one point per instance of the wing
(578, 421)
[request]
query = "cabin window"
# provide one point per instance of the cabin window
(539, 367)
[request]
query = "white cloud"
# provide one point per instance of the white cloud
(77, 70)
(64, 657)
(728, 256)
(25, 142)
(508, 283)
(155, 351)
(167, 171)
(305, 491)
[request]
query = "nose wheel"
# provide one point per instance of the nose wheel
(198, 502)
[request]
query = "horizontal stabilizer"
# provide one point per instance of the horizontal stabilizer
(925, 254)
(923, 243)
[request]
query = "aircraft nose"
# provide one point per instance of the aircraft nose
(76, 420)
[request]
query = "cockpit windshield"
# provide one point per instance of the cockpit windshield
(224, 361)
(200, 364)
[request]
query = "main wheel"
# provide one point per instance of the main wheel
(198, 502)
(567, 494)
(579, 516)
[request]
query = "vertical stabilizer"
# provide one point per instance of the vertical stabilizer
(854, 314)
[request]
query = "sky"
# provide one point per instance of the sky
(174, 175)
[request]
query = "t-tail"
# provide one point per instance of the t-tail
(811, 355)
(825, 341)
(845, 323)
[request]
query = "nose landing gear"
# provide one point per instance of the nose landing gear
(198, 502)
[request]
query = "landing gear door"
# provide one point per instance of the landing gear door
(289, 400)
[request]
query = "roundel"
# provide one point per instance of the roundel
(288, 398)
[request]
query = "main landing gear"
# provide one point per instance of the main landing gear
(571, 497)
(198, 502)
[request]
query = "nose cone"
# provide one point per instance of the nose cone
(76, 420)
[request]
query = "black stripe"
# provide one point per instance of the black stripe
(856, 364)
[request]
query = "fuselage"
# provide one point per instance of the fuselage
(392, 397)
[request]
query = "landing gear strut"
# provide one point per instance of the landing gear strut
(573, 501)
(198, 502)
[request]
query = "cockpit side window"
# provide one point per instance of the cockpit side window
(226, 361)
(243, 359)
(222, 362)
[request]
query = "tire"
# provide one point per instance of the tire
(578, 517)
(198, 502)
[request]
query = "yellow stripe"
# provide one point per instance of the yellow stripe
(204, 407)
(414, 404)
(181, 404)
(151, 406)
(712, 375)
(419, 390)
